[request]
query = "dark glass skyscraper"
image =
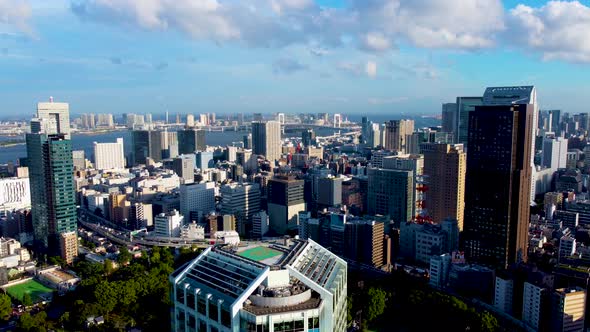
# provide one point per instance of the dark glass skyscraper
(498, 184)
(191, 140)
(53, 194)
(146, 144)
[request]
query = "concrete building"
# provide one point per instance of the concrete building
(439, 270)
(260, 224)
(69, 246)
(140, 216)
(14, 194)
(445, 166)
(184, 167)
(330, 191)
(568, 308)
(414, 163)
(390, 192)
(503, 293)
(197, 200)
(285, 201)
(266, 139)
(242, 201)
(303, 289)
(79, 159)
(397, 133)
(554, 153)
(204, 160)
(533, 298)
(58, 113)
(168, 224)
(109, 155)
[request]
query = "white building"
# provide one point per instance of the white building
(554, 153)
(266, 139)
(567, 246)
(109, 155)
(197, 198)
(302, 286)
(192, 231)
(532, 298)
(168, 224)
(503, 293)
(15, 194)
(226, 237)
(59, 113)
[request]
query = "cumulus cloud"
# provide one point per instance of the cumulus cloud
(558, 30)
(371, 69)
(16, 13)
(287, 66)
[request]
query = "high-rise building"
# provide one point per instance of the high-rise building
(465, 105)
(568, 307)
(390, 192)
(204, 160)
(444, 169)
(79, 159)
(191, 140)
(414, 163)
(184, 167)
(308, 137)
(266, 139)
(140, 216)
(197, 200)
(533, 298)
(68, 243)
(449, 117)
(397, 133)
(53, 193)
(498, 184)
(554, 153)
(285, 200)
(243, 201)
(58, 113)
(146, 144)
(260, 224)
(109, 155)
(364, 242)
(221, 290)
(330, 191)
(190, 120)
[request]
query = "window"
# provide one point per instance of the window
(190, 299)
(213, 314)
(225, 317)
(201, 305)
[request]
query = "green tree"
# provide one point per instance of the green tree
(106, 296)
(5, 306)
(376, 298)
(108, 267)
(27, 300)
(56, 260)
(124, 255)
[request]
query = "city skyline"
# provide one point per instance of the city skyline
(324, 56)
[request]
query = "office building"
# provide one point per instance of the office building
(191, 140)
(204, 160)
(533, 298)
(14, 194)
(109, 155)
(396, 135)
(285, 201)
(465, 105)
(390, 192)
(439, 270)
(330, 191)
(266, 139)
(498, 184)
(140, 216)
(554, 153)
(301, 289)
(260, 224)
(197, 200)
(190, 120)
(364, 242)
(449, 117)
(308, 137)
(444, 169)
(503, 293)
(184, 167)
(168, 224)
(146, 144)
(568, 306)
(414, 163)
(242, 201)
(53, 193)
(58, 113)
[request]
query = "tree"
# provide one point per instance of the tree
(108, 267)
(5, 306)
(27, 300)
(124, 255)
(56, 260)
(106, 296)
(376, 303)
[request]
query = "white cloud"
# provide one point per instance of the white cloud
(371, 69)
(558, 30)
(280, 6)
(375, 41)
(16, 13)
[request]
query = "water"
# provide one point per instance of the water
(85, 142)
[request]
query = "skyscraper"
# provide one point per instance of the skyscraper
(53, 194)
(191, 140)
(390, 192)
(449, 117)
(465, 105)
(243, 201)
(285, 201)
(397, 133)
(266, 139)
(498, 184)
(146, 144)
(58, 112)
(444, 167)
(109, 155)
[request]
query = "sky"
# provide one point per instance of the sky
(299, 56)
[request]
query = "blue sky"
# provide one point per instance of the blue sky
(354, 56)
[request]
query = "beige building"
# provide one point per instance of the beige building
(266, 139)
(568, 307)
(397, 133)
(444, 169)
(69, 246)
